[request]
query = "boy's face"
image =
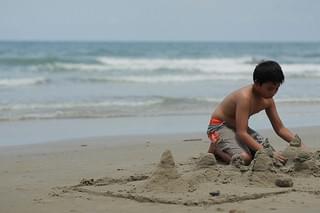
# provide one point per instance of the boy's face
(267, 89)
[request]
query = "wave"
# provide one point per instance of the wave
(27, 61)
(205, 65)
(144, 102)
(311, 100)
(239, 65)
(74, 105)
(301, 68)
(201, 64)
(164, 78)
(122, 107)
(16, 82)
(116, 107)
(167, 70)
(155, 65)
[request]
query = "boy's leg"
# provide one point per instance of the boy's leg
(239, 153)
(230, 146)
(225, 157)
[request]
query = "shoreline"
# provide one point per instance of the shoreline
(48, 131)
(34, 176)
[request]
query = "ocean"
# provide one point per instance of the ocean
(104, 88)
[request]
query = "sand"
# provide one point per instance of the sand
(158, 173)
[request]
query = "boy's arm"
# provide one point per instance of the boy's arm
(277, 124)
(242, 116)
(241, 119)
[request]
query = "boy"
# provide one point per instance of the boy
(228, 129)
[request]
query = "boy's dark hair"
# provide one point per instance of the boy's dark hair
(268, 71)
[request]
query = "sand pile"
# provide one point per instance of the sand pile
(166, 168)
(205, 160)
(262, 162)
(166, 178)
(262, 170)
(301, 161)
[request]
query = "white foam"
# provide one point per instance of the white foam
(207, 65)
(16, 82)
(78, 67)
(315, 100)
(75, 105)
(170, 78)
(202, 64)
(302, 69)
(235, 66)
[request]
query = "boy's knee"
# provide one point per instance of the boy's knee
(212, 148)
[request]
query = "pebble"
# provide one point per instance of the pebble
(284, 182)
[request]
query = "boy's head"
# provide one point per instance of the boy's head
(268, 71)
(267, 77)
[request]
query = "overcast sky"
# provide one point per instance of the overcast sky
(164, 20)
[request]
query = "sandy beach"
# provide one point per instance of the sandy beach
(158, 173)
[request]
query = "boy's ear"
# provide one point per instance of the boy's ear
(256, 82)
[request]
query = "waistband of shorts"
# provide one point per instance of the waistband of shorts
(215, 121)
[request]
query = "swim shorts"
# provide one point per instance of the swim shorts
(224, 137)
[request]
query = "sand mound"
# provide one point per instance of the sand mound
(206, 160)
(304, 161)
(166, 169)
(262, 162)
(291, 153)
(166, 178)
(301, 161)
(262, 171)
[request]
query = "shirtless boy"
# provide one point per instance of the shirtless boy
(228, 128)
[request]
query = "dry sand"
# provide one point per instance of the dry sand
(159, 173)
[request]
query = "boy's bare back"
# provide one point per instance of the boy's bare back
(226, 110)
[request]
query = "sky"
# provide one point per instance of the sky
(160, 20)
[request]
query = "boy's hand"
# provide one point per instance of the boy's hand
(296, 141)
(278, 155)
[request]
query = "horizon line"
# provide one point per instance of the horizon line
(156, 41)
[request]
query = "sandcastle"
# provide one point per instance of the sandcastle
(262, 162)
(166, 177)
(203, 181)
(301, 160)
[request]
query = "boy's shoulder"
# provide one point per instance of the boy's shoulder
(244, 93)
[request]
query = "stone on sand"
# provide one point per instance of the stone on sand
(284, 182)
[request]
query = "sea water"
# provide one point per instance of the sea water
(59, 90)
